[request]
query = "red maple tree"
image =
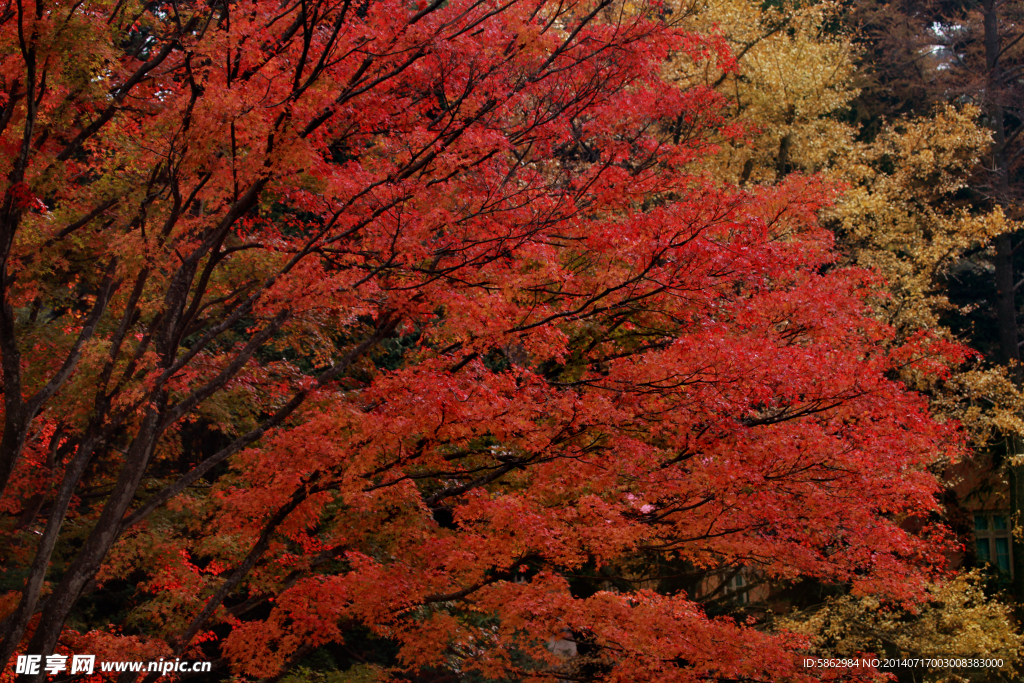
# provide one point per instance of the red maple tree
(322, 314)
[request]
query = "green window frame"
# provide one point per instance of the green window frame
(993, 543)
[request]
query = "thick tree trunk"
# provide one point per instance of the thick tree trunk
(1006, 305)
(1008, 336)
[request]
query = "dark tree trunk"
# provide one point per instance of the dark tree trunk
(1006, 305)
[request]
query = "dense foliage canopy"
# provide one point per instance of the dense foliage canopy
(331, 320)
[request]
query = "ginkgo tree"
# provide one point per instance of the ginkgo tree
(319, 317)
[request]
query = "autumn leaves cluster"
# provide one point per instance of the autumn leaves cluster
(371, 339)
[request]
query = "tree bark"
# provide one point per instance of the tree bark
(1006, 305)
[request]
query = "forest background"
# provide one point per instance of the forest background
(527, 340)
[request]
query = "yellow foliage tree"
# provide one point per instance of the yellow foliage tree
(958, 623)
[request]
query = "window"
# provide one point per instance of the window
(736, 588)
(992, 541)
